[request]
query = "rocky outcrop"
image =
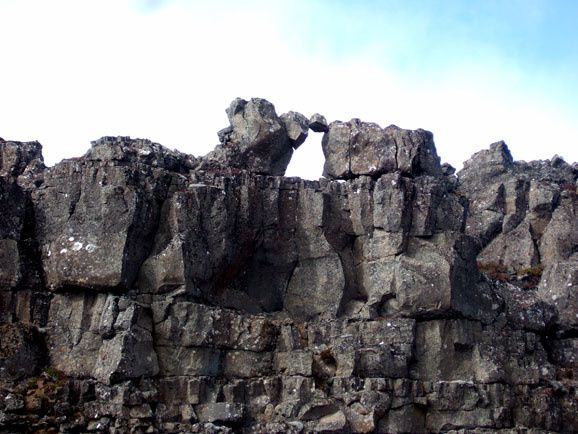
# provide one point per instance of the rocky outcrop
(257, 139)
(145, 290)
(358, 148)
(524, 216)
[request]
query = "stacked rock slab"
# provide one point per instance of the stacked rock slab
(525, 217)
(145, 290)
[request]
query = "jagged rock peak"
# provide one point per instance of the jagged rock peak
(488, 162)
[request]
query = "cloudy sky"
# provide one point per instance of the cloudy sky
(471, 71)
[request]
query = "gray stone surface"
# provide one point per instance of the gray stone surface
(257, 139)
(357, 148)
(12, 219)
(145, 290)
(297, 127)
(318, 123)
(100, 335)
(22, 352)
(16, 157)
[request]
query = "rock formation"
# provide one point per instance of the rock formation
(146, 290)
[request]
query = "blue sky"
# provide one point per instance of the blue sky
(471, 71)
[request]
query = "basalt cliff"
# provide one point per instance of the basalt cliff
(144, 290)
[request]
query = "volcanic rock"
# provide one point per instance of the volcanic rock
(297, 127)
(357, 148)
(318, 123)
(256, 140)
(146, 290)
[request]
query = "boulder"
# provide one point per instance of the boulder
(487, 164)
(256, 141)
(318, 123)
(358, 148)
(297, 127)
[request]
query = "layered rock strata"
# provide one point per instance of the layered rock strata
(146, 290)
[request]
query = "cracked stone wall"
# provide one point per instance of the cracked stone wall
(146, 290)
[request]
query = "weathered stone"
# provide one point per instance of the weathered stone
(360, 419)
(22, 351)
(95, 224)
(560, 239)
(318, 123)
(294, 363)
(139, 151)
(357, 148)
(524, 309)
(294, 392)
(189, 324)
(487, 163)
(319, 275)
(434, 276)
(189, 361)
(565, 355)
(130, 353)
(335, 422)
(297, 127)
(247, 364)
(223, 412)
(9, 264)
(516, 248)
(224, 300)
(463, 350)
(86, 338)
(407, 419)
(559, 287)
(16, 156)
(257, 141)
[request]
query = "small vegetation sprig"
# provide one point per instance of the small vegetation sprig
(525, 278)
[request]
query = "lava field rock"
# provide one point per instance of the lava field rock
(146, 290)
(297, 127)
(357, 148)
(318, 123)
(257, 139)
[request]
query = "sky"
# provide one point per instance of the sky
(471, 71)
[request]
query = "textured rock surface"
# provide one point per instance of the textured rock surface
(145, 290)
(297, 127)
(318, 123)
(257, 139)
(357, 148)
